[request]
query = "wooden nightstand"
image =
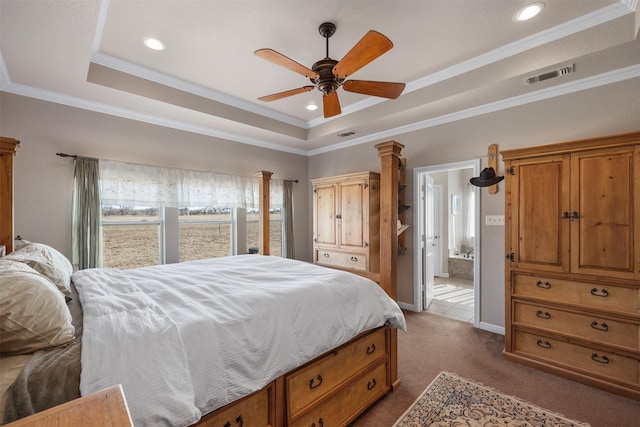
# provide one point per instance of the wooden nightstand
(104, 408)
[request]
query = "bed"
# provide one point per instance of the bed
(244, 340)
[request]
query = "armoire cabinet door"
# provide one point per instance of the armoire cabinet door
(324, 215)
(539, 229)
(602, 207)
(354, 214)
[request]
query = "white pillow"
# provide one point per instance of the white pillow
(33, 313)
(47, 261)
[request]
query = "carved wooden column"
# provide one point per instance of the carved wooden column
(389, 153)
(264, 179)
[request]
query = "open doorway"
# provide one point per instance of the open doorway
(446, 277)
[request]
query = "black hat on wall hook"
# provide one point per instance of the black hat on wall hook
(487, 178)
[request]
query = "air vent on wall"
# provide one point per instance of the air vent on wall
(557, 72)
(346, 133)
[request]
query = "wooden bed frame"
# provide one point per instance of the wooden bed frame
(336, 387)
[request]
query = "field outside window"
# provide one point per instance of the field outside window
(133, 235)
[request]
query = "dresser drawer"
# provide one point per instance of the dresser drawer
(601, 296)
(349, 402)
(606, 330)
(253, 410)
(593, 362)
(354, 261)
(310, 383)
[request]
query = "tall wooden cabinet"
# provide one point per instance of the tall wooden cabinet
(346, 221)
(8, 148)
(573, 260)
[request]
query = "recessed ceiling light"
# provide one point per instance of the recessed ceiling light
(312, 107)
(528, 12)
(153, 43)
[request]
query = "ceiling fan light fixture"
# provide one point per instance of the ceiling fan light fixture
(154, 43)
(529, 11)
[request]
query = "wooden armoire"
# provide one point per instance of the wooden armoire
(346, 221)
(8, 148)
(572, 233)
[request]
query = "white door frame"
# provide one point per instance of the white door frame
(418, 218)
(437, 200)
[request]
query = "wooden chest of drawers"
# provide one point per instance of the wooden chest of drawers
(572, 274)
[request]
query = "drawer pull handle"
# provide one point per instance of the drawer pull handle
(599, 359)
(320, 423)
(371, 349)
(542, 315)
(371, 384)
(543, 344)
(326, 255)
(354, 258)
(600, 326)
(239, 421)
(545, 285)
(312, 380)
(596, 293)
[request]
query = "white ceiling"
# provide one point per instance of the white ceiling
(459, 58)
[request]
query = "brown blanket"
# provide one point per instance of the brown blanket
(50, 377)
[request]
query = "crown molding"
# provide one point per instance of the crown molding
(586, 83)
(72, 101)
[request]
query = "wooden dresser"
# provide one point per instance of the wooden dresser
(346, 221)
(572, 232)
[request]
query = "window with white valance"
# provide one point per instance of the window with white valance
(130, 184)
(154, 214)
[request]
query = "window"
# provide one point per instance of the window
(131, 236)
(135, 237)
(205, 233)
(275, 230)
(196, 214)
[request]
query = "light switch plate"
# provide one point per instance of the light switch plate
(494, 220)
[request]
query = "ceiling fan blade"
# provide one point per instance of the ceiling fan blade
(331, 104)
(283, 61)
(280, 95)
(382, 89)
(371, 46)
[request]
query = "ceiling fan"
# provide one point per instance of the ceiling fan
(327, 75)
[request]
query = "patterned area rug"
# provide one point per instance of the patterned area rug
(454, 401)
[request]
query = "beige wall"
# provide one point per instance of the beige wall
(44, 181)
(605, 110)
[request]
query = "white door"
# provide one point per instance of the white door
(429, 245)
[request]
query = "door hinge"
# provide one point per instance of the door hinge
(511, 170)
(366, 185)
(511, 257)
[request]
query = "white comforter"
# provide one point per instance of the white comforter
(185, 339)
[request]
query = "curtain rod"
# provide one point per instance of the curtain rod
(66, 155)
(75, 157)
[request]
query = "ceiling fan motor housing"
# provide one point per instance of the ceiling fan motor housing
(327, 82)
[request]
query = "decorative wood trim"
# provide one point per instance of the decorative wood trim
(493, 163)
(620, 140)
(390, 155)
(264, 179)
(8, 148)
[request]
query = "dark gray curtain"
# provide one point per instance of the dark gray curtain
(287, 223)
(87, 214)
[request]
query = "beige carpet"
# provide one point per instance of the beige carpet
(451, 400)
